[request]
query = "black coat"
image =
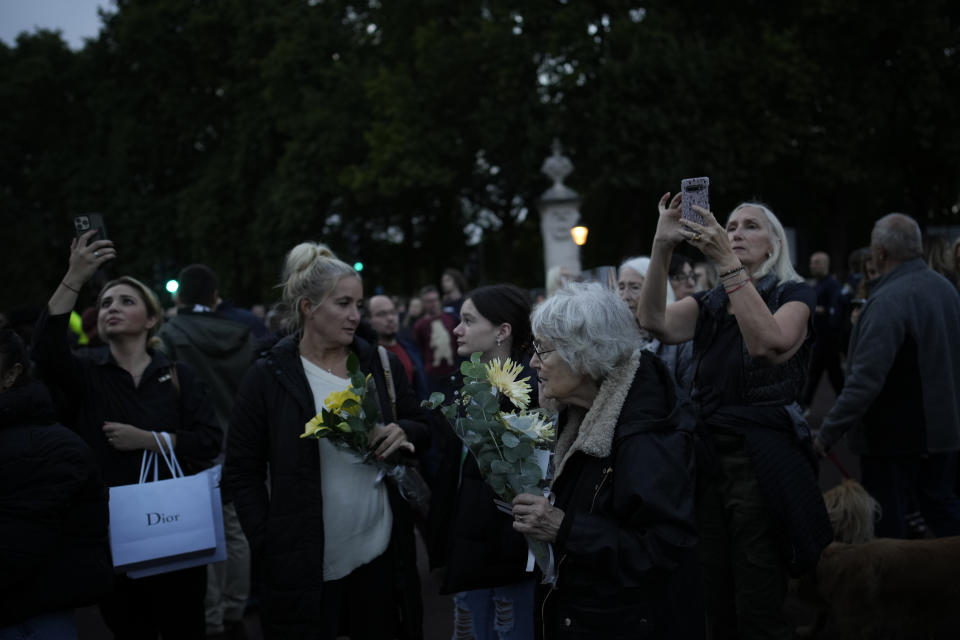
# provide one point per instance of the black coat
(54, 549)
(93, 388)
(284, 523)
(626, 566)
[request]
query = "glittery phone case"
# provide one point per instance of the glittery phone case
(696, 191)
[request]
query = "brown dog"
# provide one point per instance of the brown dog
(884, 588)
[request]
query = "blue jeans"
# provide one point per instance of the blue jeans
(59, 625)
(930, 480)
(500, 613)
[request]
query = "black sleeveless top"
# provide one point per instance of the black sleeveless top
(726, 374)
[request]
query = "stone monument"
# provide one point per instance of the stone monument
(559, 212)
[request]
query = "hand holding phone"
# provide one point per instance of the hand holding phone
(696, 191)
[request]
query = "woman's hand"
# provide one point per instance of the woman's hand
(86, 255)
(711, 239)
(388, 439)
(669, 231)
(126, 437)
(534, 516)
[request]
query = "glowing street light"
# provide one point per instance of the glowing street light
(579, 235)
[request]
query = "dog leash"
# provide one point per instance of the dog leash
(836, 463)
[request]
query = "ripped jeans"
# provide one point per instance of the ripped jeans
(499, 613)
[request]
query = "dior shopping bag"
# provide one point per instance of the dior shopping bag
(218, 554)
(162, 519)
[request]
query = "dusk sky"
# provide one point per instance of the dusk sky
(77, 19)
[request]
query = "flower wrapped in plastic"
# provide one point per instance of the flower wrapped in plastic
(512, 448)
(348, 418)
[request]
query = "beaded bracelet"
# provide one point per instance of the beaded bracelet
(731, 272)
(731, 276)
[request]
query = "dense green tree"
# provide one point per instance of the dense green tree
(409, 135)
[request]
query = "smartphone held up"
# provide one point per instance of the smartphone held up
(696, 192)
(88, 221)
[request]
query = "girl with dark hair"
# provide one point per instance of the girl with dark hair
(54, 550)
(486, 559)
(115, 398)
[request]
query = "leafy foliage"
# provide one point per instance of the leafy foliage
(410, 135)
(502, 442)
(347, 417)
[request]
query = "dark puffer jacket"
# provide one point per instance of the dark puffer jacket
(285, 524)
(626, 566)
(54, 549)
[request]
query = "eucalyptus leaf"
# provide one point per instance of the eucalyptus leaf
(524, 449)
(497, 483)
(509, 440)
(489, 405)
(449, 412)
(501, 466)
(435, 400)
(531, 476)
(472, 438)
(473, 389)
(513, 455)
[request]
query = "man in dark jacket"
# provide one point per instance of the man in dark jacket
(901, 398)
(54, 549)
(221, 350)
(385, 322)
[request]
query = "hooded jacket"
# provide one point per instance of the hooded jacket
(284, 523)
(219, 349)
(54, 549)
(625, 482)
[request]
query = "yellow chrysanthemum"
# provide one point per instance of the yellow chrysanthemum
(334, 402)
(315, 427)
(503, 378)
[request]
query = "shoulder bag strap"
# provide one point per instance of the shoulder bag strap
(391, 390)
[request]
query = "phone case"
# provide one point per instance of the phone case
(696, 191)
(88, 221)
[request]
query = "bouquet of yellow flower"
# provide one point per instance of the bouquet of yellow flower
(347, 419)
(509, 446)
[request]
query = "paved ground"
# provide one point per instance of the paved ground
(438, 610)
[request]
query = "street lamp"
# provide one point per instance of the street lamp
(579, 235)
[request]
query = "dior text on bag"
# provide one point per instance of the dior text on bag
(166, 525)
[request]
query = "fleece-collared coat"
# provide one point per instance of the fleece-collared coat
(284, 522)
(625, 482)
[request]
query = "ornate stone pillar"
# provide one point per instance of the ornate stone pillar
(559, 212)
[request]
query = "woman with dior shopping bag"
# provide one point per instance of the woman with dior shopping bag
(115, 397)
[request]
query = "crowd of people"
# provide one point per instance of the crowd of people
(683, 488)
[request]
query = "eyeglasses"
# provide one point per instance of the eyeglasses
(541, 352)
(680, 277)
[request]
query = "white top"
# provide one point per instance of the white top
(357, 519)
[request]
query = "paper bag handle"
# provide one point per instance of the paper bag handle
(168, 455)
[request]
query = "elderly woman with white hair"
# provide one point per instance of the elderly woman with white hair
(759, 511)
(621, 516)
